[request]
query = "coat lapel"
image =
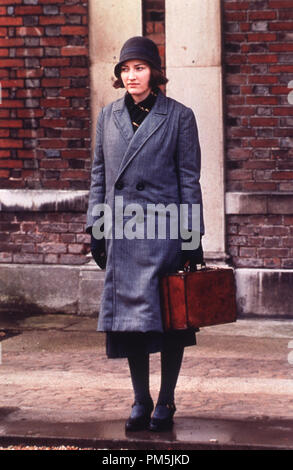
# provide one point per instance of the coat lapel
(150, 124)
(122, 120)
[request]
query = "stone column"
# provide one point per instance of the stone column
(110, 25)
(193, 66)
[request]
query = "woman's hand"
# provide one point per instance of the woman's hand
(98, 250)
(194, 257)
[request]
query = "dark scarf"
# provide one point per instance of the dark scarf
(138, 112)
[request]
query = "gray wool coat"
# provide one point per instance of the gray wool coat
(159, 163)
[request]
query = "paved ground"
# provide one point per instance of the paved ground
(234, 390)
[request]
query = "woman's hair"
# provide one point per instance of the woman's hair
(157, 78)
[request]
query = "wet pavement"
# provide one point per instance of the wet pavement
(57, 387)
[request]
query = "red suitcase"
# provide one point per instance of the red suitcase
(197, 299)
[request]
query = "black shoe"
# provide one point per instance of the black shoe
(162, 419)
(140, 416)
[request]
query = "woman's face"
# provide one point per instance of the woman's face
(135, 75)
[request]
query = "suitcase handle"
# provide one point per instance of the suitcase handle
(187, 267)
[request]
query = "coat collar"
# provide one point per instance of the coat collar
(135, 140)
(159, 107)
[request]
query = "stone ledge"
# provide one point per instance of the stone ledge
(45, 200)
(77, 290)
(258, 203)
(37, 289)
(265, 292)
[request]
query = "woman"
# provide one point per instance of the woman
(147, 152)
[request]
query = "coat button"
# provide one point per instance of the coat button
(119, 185)
(140, 186)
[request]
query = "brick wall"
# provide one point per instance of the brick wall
(154, 24)
(258, 66)
(45, 109)
(43, 238)
(261, 241)
(258, 56)
(44, 125)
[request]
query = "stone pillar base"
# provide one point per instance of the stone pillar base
(265, 292)
(36, 289)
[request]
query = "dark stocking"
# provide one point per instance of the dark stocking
(171, 360)
(139, 370)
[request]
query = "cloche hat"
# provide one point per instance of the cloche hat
(139, 47)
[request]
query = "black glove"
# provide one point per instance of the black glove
(98, 250)
(194, 257)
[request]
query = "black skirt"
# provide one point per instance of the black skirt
(125, 344)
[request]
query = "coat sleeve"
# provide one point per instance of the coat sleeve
(189, 167)
(97, 187)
